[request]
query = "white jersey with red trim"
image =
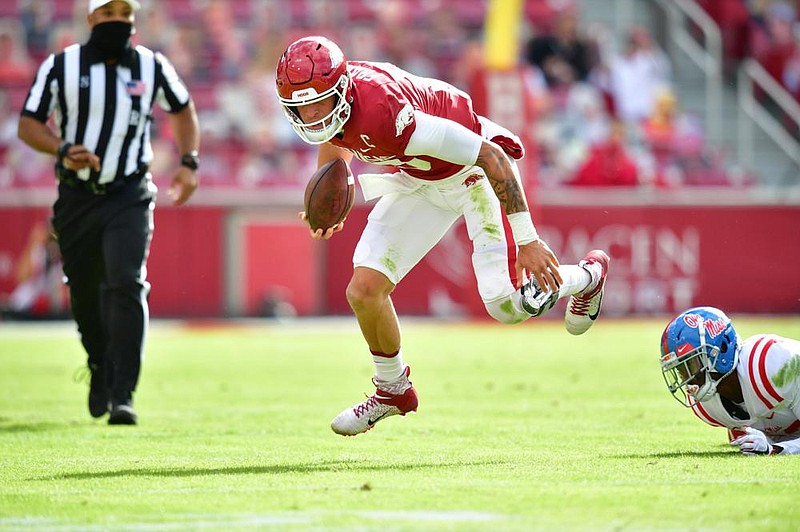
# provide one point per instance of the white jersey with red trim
(769, 374)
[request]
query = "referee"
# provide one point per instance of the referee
(101, 96)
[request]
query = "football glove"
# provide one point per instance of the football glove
(753, 442)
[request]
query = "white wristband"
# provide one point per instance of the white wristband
(522, 228)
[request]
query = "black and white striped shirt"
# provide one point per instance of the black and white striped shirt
(107, 108)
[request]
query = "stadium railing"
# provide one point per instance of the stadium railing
(752, 75)
(707, 55)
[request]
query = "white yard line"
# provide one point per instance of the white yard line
(316, 518)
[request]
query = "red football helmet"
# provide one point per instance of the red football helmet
(310, 70)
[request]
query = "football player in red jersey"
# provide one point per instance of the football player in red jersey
(451, 163)
(751, 387)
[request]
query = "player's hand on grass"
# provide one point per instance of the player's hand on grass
(319, 234)
(538, 260)
(753, 442)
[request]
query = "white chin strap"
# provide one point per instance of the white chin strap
(324, 133)
(709, 387)
(701, 393)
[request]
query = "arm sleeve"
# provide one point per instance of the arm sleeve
(444, 139)
(41, 97)
(783, 363)
(790, 443)
(172, 94)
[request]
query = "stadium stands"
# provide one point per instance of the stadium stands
(226, 50)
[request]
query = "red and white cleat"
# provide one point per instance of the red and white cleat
(584, 307)
(382, 404)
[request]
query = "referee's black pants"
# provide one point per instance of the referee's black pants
(104, 241)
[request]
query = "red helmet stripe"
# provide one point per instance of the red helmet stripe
(664, 348)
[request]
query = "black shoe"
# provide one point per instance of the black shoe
(98, 391)
(122, 414)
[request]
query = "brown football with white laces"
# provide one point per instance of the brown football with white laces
(330, 195)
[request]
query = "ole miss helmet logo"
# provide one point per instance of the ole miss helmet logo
(712, 327)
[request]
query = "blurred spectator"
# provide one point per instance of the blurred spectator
(36, 17)
(564, 54)
(395, 37)
(20, 165)
(182, 40)
(188, 51)
(778, 53)
(270, 16)
(586, 116)
(224, 38)
(450, 39)
(608, 163)
(576, 122)
(660, 130)
(251, 115)
(222, 49)
(676, 143)
(408, 50)
(791, 71)
(365, 42)
(757, 10)
(62, 35)
(156, 28)
(16, 67)
(40, 292)
(790, 78)
(758, 28)
(542, 13)
(8, 138)
(779, 43)
(733, 19)
(636, 75)
(329, 18)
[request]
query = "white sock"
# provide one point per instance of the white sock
(388, 368)
(576, 279)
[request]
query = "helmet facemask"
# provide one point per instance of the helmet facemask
(696, 371)
(324, 129)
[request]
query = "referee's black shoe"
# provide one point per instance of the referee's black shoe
(98, 391)
(122, 413)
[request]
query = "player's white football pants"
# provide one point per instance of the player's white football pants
(412, 215)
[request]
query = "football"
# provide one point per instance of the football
(330, 194)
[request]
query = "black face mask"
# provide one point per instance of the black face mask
(111, 39)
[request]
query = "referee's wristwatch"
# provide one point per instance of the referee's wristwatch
(63, 151)
(191, 160)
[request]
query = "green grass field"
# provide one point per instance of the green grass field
(519, 428)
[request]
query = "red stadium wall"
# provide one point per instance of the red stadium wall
(743, 259)
(275, 264)
(664, 258)
(185, 267)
